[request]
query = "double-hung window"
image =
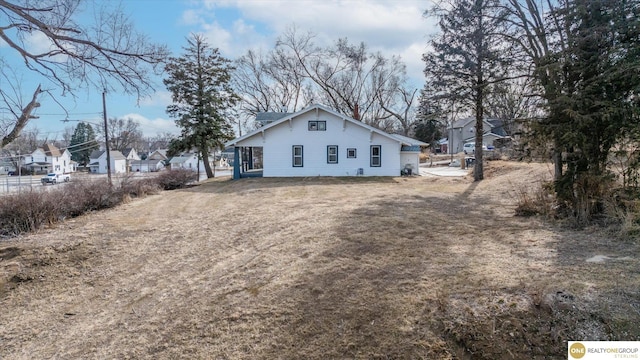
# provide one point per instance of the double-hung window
(376, 155)
(297, 155)
(332, 154)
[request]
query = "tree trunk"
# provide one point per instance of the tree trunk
(204, 155)
(478, 169)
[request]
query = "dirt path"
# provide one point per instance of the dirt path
(317, 268)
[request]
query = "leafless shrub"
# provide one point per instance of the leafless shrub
(176, 179)
(539, 201)
(30, 211)
(622, 207)
(25, 212)
(139, 187)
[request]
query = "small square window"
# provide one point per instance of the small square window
(313, 125)
(322, 125)
(351, 153)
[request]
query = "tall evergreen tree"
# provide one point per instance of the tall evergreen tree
(602, 75)
(83, 142)
(202, 97)
(468, 56)
(585, 56)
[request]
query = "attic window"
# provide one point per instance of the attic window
(317, 126)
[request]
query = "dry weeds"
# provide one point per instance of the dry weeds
(357, 268)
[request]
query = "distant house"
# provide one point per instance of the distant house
(7, 162)
(98, 162)
(464, 130)
(148, 165)
(318, 141)
(130, 154)
(49, 158)
(189, 161)
(158, 155)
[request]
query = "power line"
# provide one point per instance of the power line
(73, 114)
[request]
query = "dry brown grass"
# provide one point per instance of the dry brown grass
(357, 268)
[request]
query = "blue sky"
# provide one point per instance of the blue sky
(395, 27)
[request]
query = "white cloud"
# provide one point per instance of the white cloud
(391, 27)
(218, 37)
(151, 127)
(159, 98)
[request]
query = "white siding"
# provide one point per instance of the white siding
(412, 158)
(279, 140)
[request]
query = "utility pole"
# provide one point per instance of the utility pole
(106, 136)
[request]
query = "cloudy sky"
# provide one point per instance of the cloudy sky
(395, 27)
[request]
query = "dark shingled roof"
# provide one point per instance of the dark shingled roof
(267, 117)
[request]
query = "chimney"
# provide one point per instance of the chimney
(356, 113)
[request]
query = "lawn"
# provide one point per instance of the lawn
(319, 268)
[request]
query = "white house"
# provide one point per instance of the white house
(148, 165)
(318, 141)
(130, 154)
(49, 158)
(98, 162)
(189, 161)
(160, 154)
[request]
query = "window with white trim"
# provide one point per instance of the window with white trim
(376, 155)
(351, 153)
(297, 155)
(332, 154)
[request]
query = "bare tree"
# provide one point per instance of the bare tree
(66, 136)
(123, 133)
(269, 83)
(105, 54)
(346, 77)
(159, 142)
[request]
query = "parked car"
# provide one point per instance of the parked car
(54, 178)
(470, 148)
(12, 173)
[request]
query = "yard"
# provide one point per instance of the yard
(319, 268)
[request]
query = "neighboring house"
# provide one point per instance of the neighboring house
(98, 162)
(464, 130)
(158, 155)
(130, 154)
(318, 141)
(7, 163)
(189, 161)
(148, 165)
(49, 158)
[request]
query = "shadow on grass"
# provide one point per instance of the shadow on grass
(405, 281)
